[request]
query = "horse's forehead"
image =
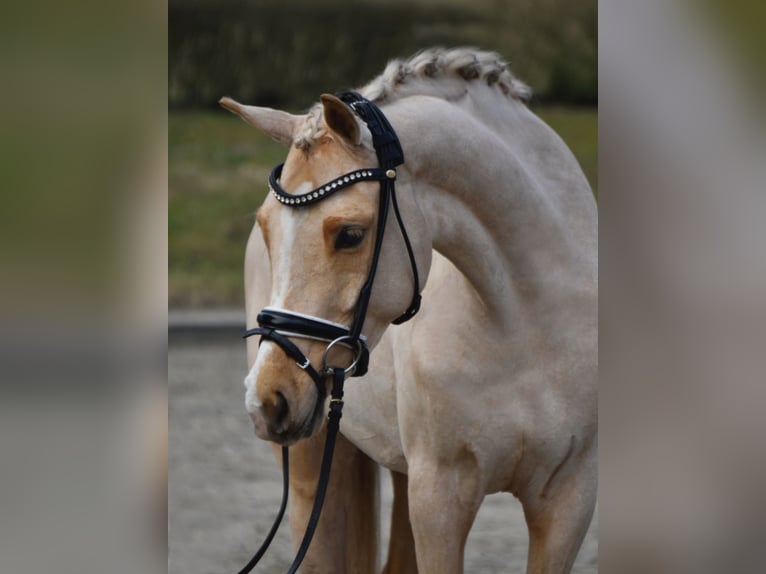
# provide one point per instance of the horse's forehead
(326, 160)
(303, 172)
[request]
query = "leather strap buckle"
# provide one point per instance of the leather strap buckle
(306, 364)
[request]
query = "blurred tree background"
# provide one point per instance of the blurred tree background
(284, 54)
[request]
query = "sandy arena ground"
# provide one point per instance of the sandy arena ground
(225, 485)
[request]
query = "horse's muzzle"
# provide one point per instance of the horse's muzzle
(286, 421)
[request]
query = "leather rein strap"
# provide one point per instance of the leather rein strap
(280, 325)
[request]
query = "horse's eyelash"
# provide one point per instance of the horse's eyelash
(354, 231)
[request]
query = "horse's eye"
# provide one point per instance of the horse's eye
(350, 236)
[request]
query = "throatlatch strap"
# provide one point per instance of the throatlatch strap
(416, 297)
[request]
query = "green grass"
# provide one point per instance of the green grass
(217, 179)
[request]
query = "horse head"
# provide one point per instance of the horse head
(319, 257)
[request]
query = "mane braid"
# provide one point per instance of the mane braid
(434, 72)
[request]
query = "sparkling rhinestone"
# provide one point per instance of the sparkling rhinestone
(352, 177)
(334, 185)
(315, 195)
(321, 192)
(346, 179)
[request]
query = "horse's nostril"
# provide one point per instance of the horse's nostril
(280, 413)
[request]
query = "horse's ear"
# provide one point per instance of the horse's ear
(279, 125)
(340, 119)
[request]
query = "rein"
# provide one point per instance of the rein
(280, 325)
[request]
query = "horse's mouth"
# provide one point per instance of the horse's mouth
(307, 428)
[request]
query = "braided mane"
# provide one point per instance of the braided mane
(435, 71)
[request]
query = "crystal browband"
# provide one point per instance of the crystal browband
(369, 174)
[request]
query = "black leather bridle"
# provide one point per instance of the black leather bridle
(280, 325)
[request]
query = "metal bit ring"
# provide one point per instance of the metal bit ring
(346, 341)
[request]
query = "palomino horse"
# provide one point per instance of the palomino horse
(492, 386)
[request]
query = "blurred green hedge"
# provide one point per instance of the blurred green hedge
(287, 53)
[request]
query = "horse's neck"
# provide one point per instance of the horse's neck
(503, 200)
